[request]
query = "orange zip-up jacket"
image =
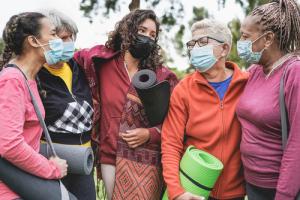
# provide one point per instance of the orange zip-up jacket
(198, 117)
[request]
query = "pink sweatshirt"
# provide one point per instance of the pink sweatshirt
(20, 129)
(265, 164)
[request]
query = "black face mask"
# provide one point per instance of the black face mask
(141, 47)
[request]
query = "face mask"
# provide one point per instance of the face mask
(203, 58)
(141, 47)
(68, 51)
(53, 55)
(244, 49)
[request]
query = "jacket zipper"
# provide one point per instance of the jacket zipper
(222, 108)
(223, 129)
(74, 98)
(222, 137)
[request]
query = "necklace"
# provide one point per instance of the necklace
(279, 62)
(126, 68)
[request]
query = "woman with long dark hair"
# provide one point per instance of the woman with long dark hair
(129, 148)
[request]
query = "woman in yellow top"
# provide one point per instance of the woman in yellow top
(68, 103)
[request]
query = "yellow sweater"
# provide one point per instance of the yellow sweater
(65, 73)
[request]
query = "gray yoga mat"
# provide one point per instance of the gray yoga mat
(28, 186)
(154, 96)
(80, 159)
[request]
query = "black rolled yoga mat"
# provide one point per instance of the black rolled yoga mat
(80, 159)
(30, 187)
(154, 96)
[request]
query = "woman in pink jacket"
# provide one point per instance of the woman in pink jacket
(32, 39)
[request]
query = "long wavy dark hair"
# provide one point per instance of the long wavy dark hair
(125, 32)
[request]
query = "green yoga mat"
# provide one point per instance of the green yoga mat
(199, 172)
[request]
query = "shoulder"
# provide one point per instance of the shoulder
(293, 64)
(10, 73)
(12, 80)
(293, 70)
(184, 84)
(87, 55)
(253, 68)
(164, 73)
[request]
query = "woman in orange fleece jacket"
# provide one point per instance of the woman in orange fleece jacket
(202, 113)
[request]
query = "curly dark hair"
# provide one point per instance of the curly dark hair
(125, 32)
(16, 31)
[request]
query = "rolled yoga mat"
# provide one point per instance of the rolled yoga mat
(30, 187)
(154, 96)
(80, 159)
(199, 172)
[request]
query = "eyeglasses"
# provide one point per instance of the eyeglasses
(201, 42)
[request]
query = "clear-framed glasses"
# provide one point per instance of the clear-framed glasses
(201, 42)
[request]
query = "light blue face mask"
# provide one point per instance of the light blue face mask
(244, 49)
(68, 51)
(54, 55)
(203, 58)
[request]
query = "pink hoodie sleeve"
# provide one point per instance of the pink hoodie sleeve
(289, 179)
(13, 145)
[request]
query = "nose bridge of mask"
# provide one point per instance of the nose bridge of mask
(56, 44)
(207, 49)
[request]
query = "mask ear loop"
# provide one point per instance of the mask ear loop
(222, 51)
(41, 45)
(256, 40)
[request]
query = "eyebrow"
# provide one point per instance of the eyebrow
(144, 27)
(244, 33)
(198, 37)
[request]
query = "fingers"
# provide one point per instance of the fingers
(129, 134)
(132, 139)
(197, 198)
(133, 144)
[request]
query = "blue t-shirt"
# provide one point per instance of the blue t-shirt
(221, 87)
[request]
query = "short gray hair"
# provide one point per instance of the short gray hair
(215, 29)
(61, 22)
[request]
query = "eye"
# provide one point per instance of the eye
(153, 36)
(140, 30)
(244, 37)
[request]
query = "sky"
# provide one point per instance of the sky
(96, 33)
